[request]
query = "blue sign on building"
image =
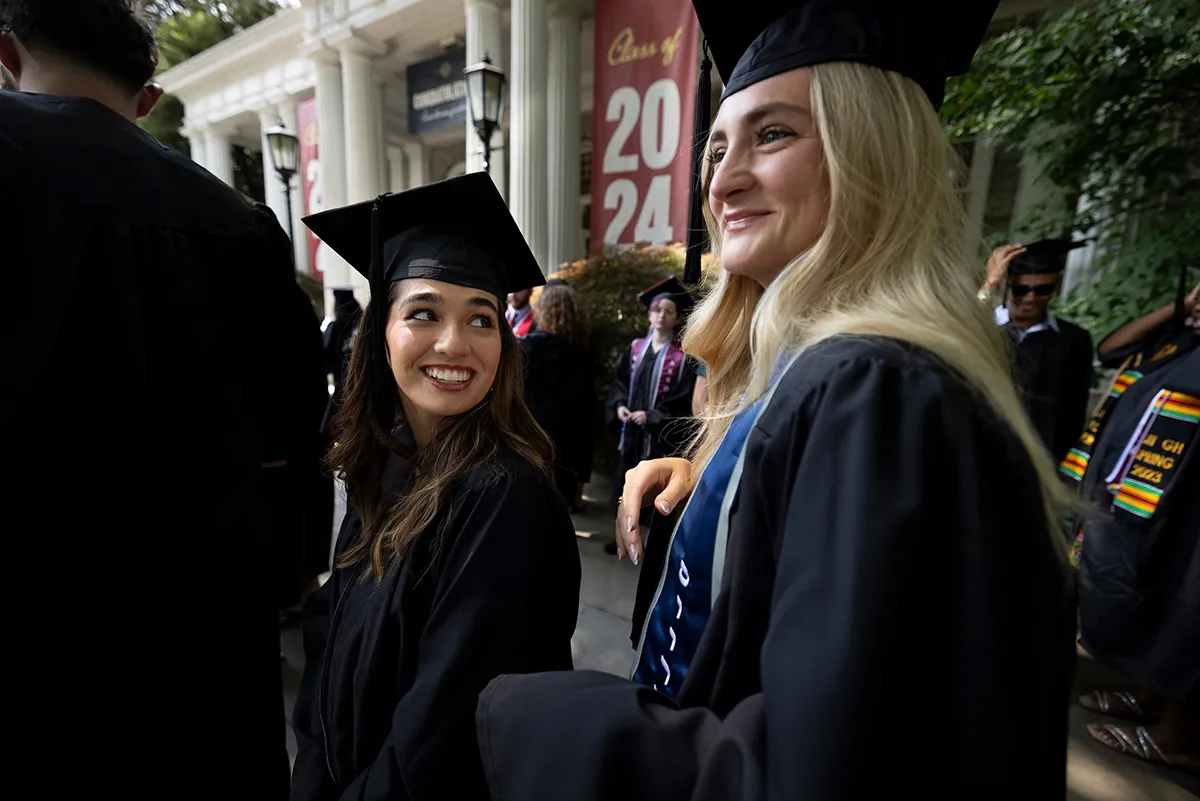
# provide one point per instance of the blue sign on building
(437, 92)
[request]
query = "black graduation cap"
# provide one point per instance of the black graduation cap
(669, 287)
(1043, 257)
(925, 40)
(458, 231)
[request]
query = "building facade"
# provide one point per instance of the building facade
(374, 89)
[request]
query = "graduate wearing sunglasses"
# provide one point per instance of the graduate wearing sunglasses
(1054, 357)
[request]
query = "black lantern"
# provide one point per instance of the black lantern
(485, 98)
(285, 158)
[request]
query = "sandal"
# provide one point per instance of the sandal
(1143, 747)
(1102, 703)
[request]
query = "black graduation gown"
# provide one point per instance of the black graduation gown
(297, 485)
(1054, 369)
(560, 389)
(666, 419)
(137, 440)
(385, 709)
(1139, 595)
(892, 617)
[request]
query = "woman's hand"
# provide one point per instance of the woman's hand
(622, 414)
(1190, 301)
(670, 478)
(637, 418)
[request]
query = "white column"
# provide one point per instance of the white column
(196, 146)
(563, 239)
(397, 182)
(485, 37)
(362, 149)
(1032, 192)
(273, 187)
(977, 195)
(218, 155)
(418, 164)
(527, 193)
(379, 123)
(332, 155)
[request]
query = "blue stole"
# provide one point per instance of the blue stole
(691, 579)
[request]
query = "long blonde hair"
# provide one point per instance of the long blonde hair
(890, 261)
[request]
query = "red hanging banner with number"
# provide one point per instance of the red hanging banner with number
(646, 68)
(310, 174)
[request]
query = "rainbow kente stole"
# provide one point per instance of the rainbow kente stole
(1076, 463)
(1151, 459)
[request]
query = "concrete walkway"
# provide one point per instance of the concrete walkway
(601, 642)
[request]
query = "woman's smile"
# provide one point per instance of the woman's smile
(449, 378)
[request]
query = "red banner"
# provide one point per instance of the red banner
(310, 174)
(645, 77)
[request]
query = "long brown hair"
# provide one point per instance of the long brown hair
(462, 443)
(560, 309)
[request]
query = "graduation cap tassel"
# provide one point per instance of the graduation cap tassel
(378, 334)
(697, 241)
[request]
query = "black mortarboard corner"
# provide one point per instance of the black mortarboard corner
(668, 287)
(1043, 257)
(924, 40)
(458, 231)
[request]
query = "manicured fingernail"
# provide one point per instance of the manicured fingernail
(665, 507)
(629, 523)
(633, 554)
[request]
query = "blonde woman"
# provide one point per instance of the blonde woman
(865, 592)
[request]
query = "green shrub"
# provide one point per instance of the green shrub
(609, 283)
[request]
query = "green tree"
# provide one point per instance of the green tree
(185, 28)
(1107, 96)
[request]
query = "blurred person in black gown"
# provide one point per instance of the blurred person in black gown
(146, 396)
(1138, 548)
(336, 340)
(1053, 356)
(649, 404)
(560, 385)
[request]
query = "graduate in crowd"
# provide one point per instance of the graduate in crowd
(520, 314)
(337, 339)
(560, 385)
(457, 560)
(651, 394)
(146, 401)
(1053, 355)
(870, 512)
(1138, 468)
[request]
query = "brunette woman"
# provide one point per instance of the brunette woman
(560, 385)
(457, 560)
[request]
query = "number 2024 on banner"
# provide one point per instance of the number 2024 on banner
(658, 136)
